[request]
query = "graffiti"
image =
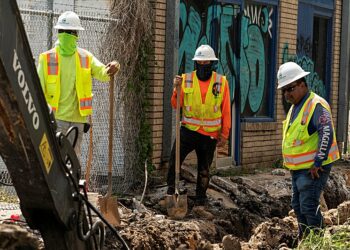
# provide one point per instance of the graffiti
(218, 26)
(304, 46)
(260, 16)
(313, 80)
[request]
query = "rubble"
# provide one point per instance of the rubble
(245, 212)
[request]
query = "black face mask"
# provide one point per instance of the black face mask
(204, 71)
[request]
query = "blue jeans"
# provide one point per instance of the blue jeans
(306, 198)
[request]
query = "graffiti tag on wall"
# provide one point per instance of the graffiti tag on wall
(313, 80)
(218, 25)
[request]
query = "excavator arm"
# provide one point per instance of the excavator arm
(42, 163)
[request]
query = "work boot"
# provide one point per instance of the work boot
(200, 201)
(170, 191)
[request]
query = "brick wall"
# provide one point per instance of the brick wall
(155, 114)
(260, 142)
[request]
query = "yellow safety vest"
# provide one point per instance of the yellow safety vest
(298, 147)
(197, 114)
(52, 70)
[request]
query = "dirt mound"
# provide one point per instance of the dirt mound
(245, 212)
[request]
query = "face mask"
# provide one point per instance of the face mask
(67, 44)
(204, 71)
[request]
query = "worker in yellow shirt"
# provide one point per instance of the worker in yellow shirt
(66, 73)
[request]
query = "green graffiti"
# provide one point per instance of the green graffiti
(244, 66)
(228, 60)
(313, 80)
(256, 60)
(219, 29)
(190, 37)
(265, 20)
(252, 62)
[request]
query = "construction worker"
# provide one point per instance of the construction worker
(206, 117)
(66, 73)
(309, 145)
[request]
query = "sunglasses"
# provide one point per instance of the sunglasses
(290, 89)
(71, 32)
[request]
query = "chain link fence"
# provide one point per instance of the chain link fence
(39, 21)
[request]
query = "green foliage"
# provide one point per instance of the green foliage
(141, 91)
(278, 163)
(339, 240)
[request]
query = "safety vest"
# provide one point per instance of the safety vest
(197, 114)
(83, 79)
(298, 147)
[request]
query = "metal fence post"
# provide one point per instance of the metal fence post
(49, 23)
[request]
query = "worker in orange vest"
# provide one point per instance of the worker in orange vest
(206, 117)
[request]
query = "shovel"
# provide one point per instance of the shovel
(89, 160)
(176, 204)
(109, 204)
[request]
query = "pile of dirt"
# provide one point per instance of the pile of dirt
(250, 209)
(242, 212)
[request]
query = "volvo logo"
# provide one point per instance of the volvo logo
(25, 91)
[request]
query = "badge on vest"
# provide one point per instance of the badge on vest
(216, 89)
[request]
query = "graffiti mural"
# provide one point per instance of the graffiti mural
(242, 57)
(313, 80)
(304, 46)
(255, 23)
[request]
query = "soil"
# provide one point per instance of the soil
(250, 211)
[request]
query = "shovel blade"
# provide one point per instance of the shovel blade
(176, 206)
(109, 209)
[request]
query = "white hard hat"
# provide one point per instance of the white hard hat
(204, 53)
(68, 21)
(289, 72)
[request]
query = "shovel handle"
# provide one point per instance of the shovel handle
(177, 140)
(110, 135)
(89, 160)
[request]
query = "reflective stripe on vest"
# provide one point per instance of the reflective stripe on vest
(84, 59)
(86, 103)
(188, 80)
(189, 84)
(308, 157)
(204, 122)
(306, 112)
(52, 63)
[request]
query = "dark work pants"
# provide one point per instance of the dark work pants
(306, 199)
(204, 147)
